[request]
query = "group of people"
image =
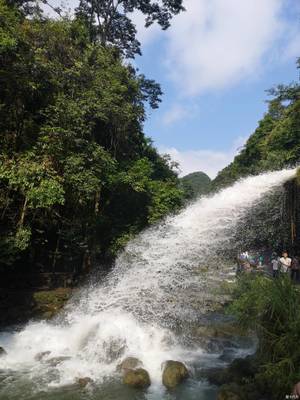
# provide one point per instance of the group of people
(278, 265)
(286, 264)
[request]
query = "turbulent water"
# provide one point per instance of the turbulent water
(143, 308)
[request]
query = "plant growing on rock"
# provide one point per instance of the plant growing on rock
(272, 308)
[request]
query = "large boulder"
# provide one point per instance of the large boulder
(174, 372)
(220, 330)
(137, 378)
(129, 363)
(2, 351)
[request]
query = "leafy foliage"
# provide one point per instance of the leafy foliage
(272, 308)
(77, 175)
(110, 21)
(275, 143)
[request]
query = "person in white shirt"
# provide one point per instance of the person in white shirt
(285, 262)
(275, 266)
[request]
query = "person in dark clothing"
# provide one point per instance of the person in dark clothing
(295, 269)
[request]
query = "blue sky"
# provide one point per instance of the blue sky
(214, 65)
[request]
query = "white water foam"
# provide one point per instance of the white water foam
(147, 297)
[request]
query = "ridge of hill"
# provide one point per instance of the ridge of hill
(195, 184)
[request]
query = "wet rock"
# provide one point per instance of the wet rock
(214, 346)
(57, 360)
(246, 391)
(224, 330)
(2, 351)
(242, 368)
(216, 376)
(227, 355)
(240, 371)
(129, 363)
(229, 392)
(114, 350)
(206, 331)
(174, 372)
(83, 382)
(137, 378)
(40, 356)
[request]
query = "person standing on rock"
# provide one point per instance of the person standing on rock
(295, 269)
(285, 262)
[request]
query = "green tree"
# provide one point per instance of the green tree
(78, 177)
(110, 21)
(274, 144)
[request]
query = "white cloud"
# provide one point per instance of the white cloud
(217, 43)
(208, 161)
(176, 113)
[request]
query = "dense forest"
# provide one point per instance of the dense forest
(276, 141)
(78, 177)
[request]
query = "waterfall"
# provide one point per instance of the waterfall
(143, 306)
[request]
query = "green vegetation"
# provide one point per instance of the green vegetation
(109, 20)
(275, 143)
(195, 184)
(272, 308)
(18, 306)
(78, 177)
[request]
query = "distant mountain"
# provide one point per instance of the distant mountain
(195, 184)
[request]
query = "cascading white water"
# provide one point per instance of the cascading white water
(146, 299)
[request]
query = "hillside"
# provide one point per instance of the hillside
(276, 141)
(195, 184)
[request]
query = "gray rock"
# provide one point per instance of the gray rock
(129, 363)
(83, 382)
(57, 360)
(40, 356)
